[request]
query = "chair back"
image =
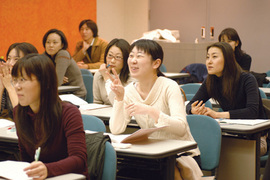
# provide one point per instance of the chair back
(86, 72)
(207, 133)
(93, 123)
(191, 88)
(207, 103)
(163, 68)
(88, 83)
(110, 163)
(263, 95)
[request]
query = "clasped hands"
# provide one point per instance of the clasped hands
(198, 107)
(5, 75)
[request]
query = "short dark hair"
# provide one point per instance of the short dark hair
(90, 24)
(60, 33)
(152, 48)
(25, 47)
(124, 46)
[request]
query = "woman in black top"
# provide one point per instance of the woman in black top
(231, 36)
(236, 91)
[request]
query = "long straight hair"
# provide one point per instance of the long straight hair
(233, 36)
(124, 46)
(230, 74)
(152, 48)
(48, 118)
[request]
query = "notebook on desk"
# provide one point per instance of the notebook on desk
(249, 122)
(14, 170)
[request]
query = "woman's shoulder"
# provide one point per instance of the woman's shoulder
(247, 76)
(166, 81)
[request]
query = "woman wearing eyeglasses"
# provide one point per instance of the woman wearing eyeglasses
(116, 55)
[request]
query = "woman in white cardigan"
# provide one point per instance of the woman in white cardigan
(153, 100)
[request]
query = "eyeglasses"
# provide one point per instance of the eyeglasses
(19, 81)
(110, 57)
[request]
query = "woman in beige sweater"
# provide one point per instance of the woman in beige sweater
(153, 100)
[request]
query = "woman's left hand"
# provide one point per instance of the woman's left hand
(37, 170)
(211, 113)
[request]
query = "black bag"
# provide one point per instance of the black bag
(261, 78)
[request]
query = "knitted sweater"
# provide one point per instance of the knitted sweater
(165, 95)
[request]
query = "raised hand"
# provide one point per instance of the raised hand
(116, 86)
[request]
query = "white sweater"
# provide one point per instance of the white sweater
(165, 95)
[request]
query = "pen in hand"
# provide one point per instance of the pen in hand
(37, 154)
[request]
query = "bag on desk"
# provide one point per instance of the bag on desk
(188, 167)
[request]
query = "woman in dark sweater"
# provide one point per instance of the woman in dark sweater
(231, 36)
(43, 120)
(237, 92)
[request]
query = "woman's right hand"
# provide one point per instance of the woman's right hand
(198, 107)
(117, 86)
(103, 71)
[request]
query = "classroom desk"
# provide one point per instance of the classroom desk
(156, 154)
(173, 75)
(240, 151)
(266, 91)
(67, 89)
(161, 151)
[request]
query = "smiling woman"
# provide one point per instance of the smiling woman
(68, 73)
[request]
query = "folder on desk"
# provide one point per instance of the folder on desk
(139, 135)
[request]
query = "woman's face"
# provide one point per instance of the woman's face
(215, 61)
(86, 32)
(140, 64)
(13, 57)
(115, 59)
(28, 91)
(53, 44)
(234, 44)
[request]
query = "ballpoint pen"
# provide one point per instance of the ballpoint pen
(37, 154)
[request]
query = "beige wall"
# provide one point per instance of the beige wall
(126, 19)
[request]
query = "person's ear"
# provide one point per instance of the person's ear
(157, 63)
(236, 43)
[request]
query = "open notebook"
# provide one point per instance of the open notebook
(13, 170)
(83, 105)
